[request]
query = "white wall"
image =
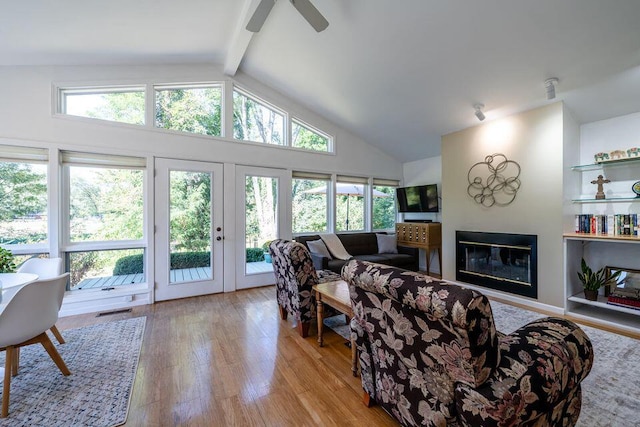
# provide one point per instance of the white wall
(619, 133)
(419, 172)
(534, 139)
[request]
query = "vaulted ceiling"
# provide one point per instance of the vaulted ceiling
(398, 73)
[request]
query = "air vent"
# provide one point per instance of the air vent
(109, 313)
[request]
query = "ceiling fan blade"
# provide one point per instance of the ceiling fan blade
(311, 14)
(260, 15)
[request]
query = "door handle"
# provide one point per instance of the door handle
(218, 229)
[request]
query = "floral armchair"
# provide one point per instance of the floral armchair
(430, 355)
(295, 278)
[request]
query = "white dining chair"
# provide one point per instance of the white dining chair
(24, 321)
(45, 268)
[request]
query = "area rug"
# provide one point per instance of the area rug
(339, 325)
(102, 358)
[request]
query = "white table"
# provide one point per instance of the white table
(10, 283)
(9, 280)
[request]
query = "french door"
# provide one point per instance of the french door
(262, 197)
(188, 225)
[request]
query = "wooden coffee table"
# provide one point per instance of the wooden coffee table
(336, 295)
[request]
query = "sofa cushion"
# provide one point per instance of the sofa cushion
(317, 247)
(387, 243)
(360, 243)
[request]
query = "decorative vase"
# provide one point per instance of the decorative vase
(267, 257)
(591, 295)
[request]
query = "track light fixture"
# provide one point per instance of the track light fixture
(550, 86)
(479, 113)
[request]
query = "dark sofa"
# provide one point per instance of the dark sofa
(363, 247)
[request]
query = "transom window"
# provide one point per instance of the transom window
(117, 104)
(255, 120)
(197, 108)
(194, 109)
(304, 136)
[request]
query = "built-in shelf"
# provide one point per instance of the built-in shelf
(602, 303)
(602, 237)
(608, 200)
(610, 163)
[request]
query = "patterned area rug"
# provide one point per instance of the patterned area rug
(102, 358)
(339, 325)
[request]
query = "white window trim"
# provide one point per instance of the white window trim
(300, 122)
(285, 115)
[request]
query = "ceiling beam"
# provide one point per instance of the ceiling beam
(240, 39)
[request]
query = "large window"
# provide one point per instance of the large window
(105, 220)
(254, 120)
(23, 197)
(383, 215)
(194, 109)
(310, 202)
(303, 136)
(117, 104)
(350, 203)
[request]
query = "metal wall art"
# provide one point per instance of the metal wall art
(495, 181)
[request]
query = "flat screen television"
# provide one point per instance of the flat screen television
(419, 198)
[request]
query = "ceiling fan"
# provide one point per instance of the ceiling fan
(306, 9)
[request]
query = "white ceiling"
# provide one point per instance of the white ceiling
(398, 73)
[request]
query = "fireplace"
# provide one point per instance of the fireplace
(506, 262)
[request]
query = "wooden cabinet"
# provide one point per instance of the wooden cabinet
(427, 236)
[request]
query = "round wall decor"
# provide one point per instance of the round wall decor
(495, 181)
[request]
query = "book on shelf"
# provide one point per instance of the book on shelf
(611, 225)
(625, 297)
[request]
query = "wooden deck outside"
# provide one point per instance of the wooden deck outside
(178, 275)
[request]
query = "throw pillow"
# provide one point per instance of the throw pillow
(387, 244)
(317, 247)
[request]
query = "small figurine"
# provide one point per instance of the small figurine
(600, 181)
(601, 157)
(633, 152)
(617, 154)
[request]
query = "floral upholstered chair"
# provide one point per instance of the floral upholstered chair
(430, 355)
(295, 278)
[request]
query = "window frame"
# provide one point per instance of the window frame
(34, 155)
(107, 161)
(303, 124)
(63, 90)
(228, 87)
(201, 85)
(286, 143)
(321, 177)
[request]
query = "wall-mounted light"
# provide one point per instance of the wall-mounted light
(550, 86)
(479, 113)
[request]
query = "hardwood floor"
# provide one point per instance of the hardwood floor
(228, 360)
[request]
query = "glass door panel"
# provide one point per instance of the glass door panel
(189, 226)
(261, 222)
(261, 209)
(188, 243)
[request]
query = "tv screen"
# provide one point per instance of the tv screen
(419, 198)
